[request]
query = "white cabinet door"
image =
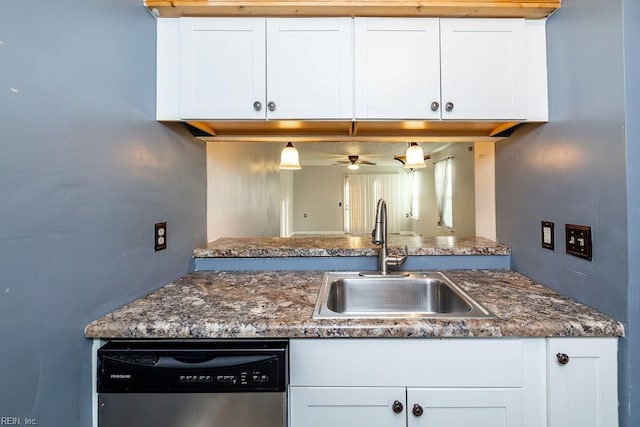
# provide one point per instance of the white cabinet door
(397, 68)
(483, 69)
(310, 68)
(346, 407)
(583, 391)
(222, 68)
(464, 407)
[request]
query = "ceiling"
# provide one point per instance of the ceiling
(381, 153)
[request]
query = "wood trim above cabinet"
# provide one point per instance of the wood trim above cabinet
(359, 131)
(530, 9)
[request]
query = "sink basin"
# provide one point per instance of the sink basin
(411, 295)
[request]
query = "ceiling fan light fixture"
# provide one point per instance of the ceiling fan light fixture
(414, 157)
(353, 167)
(289, 159)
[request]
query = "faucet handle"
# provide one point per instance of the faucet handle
(396, 260)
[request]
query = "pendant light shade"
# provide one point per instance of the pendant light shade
(289, 159)
(414, 157)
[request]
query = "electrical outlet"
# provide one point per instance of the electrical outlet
(578, 241)
(548, 235)
(160, 236)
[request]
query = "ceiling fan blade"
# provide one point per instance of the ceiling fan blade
(340, 163)
(365, 162)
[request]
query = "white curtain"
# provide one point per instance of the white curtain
(444, 192)
(362, 192)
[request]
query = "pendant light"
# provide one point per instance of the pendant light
(289, 159)
(414, 157)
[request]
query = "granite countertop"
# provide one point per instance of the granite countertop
(209, 304)
(345, 246)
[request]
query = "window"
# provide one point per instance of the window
(444, 192)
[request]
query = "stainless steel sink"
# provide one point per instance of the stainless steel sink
(411, 295)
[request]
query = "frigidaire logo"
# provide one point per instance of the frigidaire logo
(120, 376)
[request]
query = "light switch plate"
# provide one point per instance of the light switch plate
(547, 235)
(578, 241)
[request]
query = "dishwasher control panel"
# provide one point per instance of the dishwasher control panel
(192, 366)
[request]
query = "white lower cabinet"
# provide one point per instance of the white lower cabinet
(465, 407)
(583, 388)
(496, 382)
(347, 406)
(400, 407)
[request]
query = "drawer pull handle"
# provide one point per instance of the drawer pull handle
(563, 359)
(397, 407)
(417, 410)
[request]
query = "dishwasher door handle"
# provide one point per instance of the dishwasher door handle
(215, 362)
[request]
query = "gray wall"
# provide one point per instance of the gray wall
(572, 170)
(85, 172)
(631, 357)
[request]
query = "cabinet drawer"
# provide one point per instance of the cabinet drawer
(413, 362)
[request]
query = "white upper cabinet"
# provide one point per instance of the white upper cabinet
(222, 68)
(310, 68)
(483, 66)
(430, 69)
(344, 69)
(257, 68)
(397, 68)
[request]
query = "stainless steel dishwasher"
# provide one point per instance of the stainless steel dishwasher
(195, 383)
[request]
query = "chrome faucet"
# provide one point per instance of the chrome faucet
(379, 237)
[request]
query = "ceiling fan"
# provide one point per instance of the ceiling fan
(353, 162)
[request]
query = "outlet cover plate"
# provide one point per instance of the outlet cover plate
(160, 236)
(578, 241)
(548, 235)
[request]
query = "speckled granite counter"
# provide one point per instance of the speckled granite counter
(209, 304)
(345, 246)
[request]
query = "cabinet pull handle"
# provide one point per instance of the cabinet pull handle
(257, 105)
(449, 106)
(435, 105)
(271, 106)
(397, 406)
(563, 358)
(417, 410)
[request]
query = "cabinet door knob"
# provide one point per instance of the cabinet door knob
(271, 106)
(257, 105)
(449, 106)
(563, 358)
(397, 407)
(417, 410)
(435, 105)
